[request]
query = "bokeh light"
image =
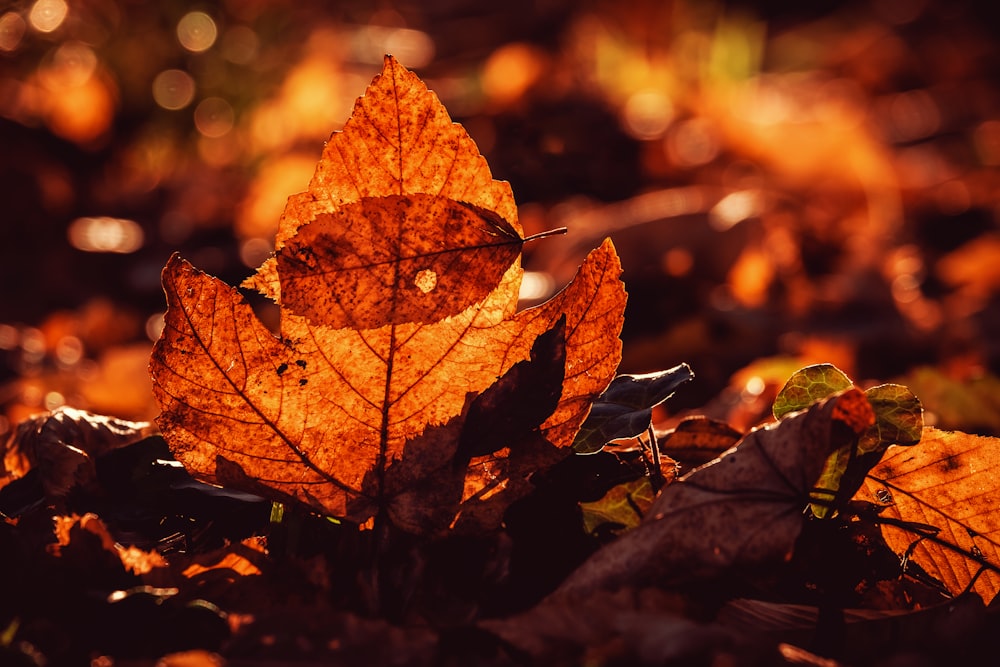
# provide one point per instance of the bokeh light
(511, 70)
(647, 114)
(214, 117)
(48, 15)
(12, 29)
(173, 89)
(104, 234)
(196, 31)
(240, 45)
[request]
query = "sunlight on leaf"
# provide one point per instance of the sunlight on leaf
(808, 385)
(399, 140)
(951, 482)
(622, 507)
(358, 408)
(898, 421)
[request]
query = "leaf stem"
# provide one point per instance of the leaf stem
(541, 235)
(654, 447)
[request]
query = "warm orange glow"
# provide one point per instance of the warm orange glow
(647, 114)
(258, 215)
(103, 234)
(511, 70)
(678, 262)
(734, 208)
(750, 277)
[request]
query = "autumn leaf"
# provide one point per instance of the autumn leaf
(395, 259)
(63, 444)
(697, 440)
(399, 140)
(359, 406)
(938, 505)
(742, 510)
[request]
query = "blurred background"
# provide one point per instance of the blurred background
(786, 182)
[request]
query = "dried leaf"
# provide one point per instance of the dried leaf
(625, 409)
(741, 510)
(942, 499)
(63, 444)
(399, 140)
(697, 440)
(393, 260)
(358, 408)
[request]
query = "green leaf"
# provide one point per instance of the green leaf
(807, 386)
(899, 418)
(898, 421)
(623, 506)
(625, 409)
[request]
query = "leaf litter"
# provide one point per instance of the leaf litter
(405, 390)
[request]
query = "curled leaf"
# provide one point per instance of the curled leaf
(625, 409)
(63, 444)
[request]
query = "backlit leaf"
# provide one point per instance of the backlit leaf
(395, 259)
(398, 316)
(808, 385)
(623, 506)
(950, 483)
(898, 420)
(399, 140)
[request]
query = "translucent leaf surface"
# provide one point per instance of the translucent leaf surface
(943, 495)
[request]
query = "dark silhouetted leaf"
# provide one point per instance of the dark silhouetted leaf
(741, 510)
(625, 409)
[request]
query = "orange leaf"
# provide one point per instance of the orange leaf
(398, 310)
(398, 141)
(394, 259)
(950, 482)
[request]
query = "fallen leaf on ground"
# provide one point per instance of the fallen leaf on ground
(353, 420)
(741, 510)
(62, 446)
(621, 508)
(943, 496)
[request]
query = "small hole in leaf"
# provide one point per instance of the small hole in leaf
(426, 281)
